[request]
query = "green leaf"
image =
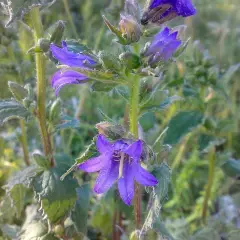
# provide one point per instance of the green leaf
(22, 177)
(11, 109)
(77, 47)
(181, 124)
(40, 160)
(56, 197)
(231, 168)
(18, 91)
(160, 193)
(79, 214)
(234, 235)
(161, 229)
(17, 194)
(102, 87)
(105, 116)
(17, 9)
(163, 174)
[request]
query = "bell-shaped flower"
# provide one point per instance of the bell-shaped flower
(163, 46)
(118, 162)
(160, 11)
(70, 59)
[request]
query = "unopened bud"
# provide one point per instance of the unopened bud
(113, 131)
(130, 29)
(58, 32)
(40, 160)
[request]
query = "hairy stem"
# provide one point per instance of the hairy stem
(70, 19)
(133, 117)
(211, 169)
(41, 85)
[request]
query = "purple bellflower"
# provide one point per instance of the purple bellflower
(160, 11)
(163, 46)
(118, 161)
(70, 59)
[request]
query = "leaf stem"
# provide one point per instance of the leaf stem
(133, 116)
(41, 85)
(211, 169)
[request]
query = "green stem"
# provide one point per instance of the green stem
(70, 19)
(24, 142)
(133, 117)
(41, 85)
(211, 169)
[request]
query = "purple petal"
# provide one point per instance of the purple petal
(144, 177)
(106, 178)
(103, 145)
(95, 164)
(134, 150)
(70, 58)
(60, 79)
(126, 184)
(185, 8)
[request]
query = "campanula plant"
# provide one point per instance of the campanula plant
(122, 177)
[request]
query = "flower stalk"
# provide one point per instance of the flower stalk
(41, 86)
(133, 117)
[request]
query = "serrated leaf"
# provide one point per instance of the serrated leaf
(22, 177)
(10, 109)
(159, 194)
(181, 124)
(79, 214)
(231, 168)
(56, 197)
(17, 194)
(163, 174)
(17, 9)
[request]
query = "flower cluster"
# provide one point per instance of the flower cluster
(70, 59)
(118, 161)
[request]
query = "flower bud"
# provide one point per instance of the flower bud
(44, 44)
(58, 33)
(113, 131)
(130, 29)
